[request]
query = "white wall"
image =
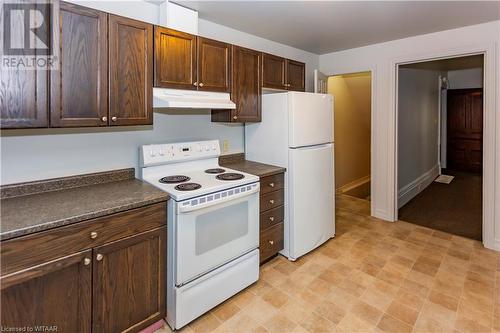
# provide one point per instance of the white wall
(465, 78)
(381, 59)
(418, 116)
(38, 154)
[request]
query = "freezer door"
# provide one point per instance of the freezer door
(310, 119)
(311, 198)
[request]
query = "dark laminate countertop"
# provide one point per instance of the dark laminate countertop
(27, 208)
(237, 162)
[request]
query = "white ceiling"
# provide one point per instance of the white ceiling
(326, 26)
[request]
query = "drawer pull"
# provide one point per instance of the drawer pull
(271, 242)
(271, 202)
(271, 184)
(114, 118)
(271, 219)
(93, 235)
(104, 119)
(99, 257)
(86, 261)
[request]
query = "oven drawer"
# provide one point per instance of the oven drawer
(271, 217)
(27, 251)
(271, 241)
(272, 183)
(271, 200)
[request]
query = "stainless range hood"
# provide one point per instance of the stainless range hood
(191, 99)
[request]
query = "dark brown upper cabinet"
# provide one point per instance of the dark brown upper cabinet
(79, 88)
(296, 72)
(175, 59)
(130, 71)
(246, 90)
(24, 93)
(273, 71)
(281, 73)
(214, 65)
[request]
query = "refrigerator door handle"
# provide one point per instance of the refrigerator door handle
(317, 146)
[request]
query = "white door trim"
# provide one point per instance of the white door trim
(491, 141)
(373, 148)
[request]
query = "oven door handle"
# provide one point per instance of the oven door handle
(218, 202)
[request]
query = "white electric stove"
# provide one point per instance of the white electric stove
(213, 226)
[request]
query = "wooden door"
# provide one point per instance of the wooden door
(214, 65)
(296, 72)
(175, 59)
(246, 90)
(57, 293)
(79, 89)
(130, 71)
(24, 93)
(129, 282)
(465, 130)
(274, 71)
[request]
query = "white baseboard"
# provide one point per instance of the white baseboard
(351, 185)
(408, 192)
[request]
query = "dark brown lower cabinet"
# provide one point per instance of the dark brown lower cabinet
(56, 294)
(272, 211)
(108, 283)
(129, 282)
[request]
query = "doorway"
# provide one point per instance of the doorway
(352, 133)
(440, 144)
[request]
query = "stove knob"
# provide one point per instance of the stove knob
(152, 153)
(214, 147)
(198, 148)
(161, 152)
(207, 148)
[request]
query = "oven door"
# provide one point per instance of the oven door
(215, 233)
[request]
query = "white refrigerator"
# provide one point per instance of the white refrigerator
(296, 132)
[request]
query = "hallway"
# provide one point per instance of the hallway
(454, 208)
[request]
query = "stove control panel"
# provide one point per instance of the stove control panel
(178, 152)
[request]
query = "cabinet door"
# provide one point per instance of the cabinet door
(214, 65)
(79, 88)
(273, 72)
(246, 85)
(54, 294)
(129, 282)
(130, 71)
(296, 75)
(175, 59)
(23, 93)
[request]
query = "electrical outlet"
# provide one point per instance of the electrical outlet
(225, 146)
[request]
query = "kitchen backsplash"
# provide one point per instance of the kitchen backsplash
(48, 153)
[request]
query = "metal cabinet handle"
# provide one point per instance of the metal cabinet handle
(271, 219)
(104, 118)
(113, 118)
(201, 84)
(271, 202)
(93, 235)
(271, 242)
(235, 117)
(99, 257)
(195, 84)
(87, 261)
(271, 184)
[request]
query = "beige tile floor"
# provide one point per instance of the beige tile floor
(374, 276)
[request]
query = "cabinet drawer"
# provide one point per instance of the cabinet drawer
(271, 217)
(37, 248)
(271, 241)
(272, 183)
(271, 200)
